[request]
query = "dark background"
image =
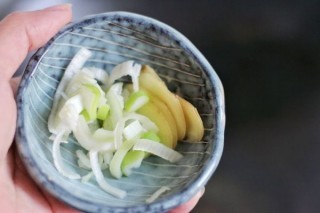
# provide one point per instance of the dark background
(267, 54)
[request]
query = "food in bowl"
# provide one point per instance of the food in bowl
(118, 124)
(113, 38)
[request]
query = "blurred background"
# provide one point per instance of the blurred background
(267, 54)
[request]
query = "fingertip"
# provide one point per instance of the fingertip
(188, 206)
(66, 9)
(59, 7)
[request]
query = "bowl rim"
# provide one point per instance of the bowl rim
(160, 204)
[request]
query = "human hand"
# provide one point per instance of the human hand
(19, 34)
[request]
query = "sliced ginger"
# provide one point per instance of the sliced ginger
(195, 129)
(168, 116)
(155, 114)
(157, 87)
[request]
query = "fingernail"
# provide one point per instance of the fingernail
(59, 7)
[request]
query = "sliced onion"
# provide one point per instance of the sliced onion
(84, 136)
(145, 121)
(132, 160)
(115, 164)
(105, 157)
(157, 149)
(133, 130)
(69, 113)
(157, 194)
(123, 69)
(99, 74)
(57, 159)
(79, 79)
(84, 160)
(103, 135)
(136, 100)
(116, 103)
(100, 179)
(91, 98)
(76, 63)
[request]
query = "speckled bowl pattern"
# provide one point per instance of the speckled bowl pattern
(113, 38)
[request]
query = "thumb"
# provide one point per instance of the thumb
(21, 32)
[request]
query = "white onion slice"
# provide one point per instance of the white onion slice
(133, 130)
(100, 179)
(123, 69)
(104, 159)
(101, 134)
(69, 113)
(78, 80)
(76, 63)
(83, 159)
(84, 137)
(57, 159)
(99, 74)
(157, 149)
(116, 103)
(145, 122)
(157, 194)
(115, 164)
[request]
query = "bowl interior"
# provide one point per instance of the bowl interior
(114, 38)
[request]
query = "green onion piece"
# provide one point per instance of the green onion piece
(103, 111)
(91, 99)
(132, 160)
(151, 136)
(133, 130)
(107, 123)
(85, 138)
(116, 103)
(115, 164)
(136, 100)
(157, 149)
(85, 114)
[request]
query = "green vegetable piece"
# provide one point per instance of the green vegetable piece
(116, 103)
(115, 164)
(85, 115)
(133, 130)
(136, 100)
(151, 136)
(107, 123)
(103, 111)
(132, 160)
(91, 100)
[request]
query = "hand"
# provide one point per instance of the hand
(19, 34)
(188, 206)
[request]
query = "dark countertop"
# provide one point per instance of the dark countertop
(267, 54)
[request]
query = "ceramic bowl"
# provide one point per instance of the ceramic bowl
(113, 38)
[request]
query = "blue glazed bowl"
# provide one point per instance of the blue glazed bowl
(113, 38)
